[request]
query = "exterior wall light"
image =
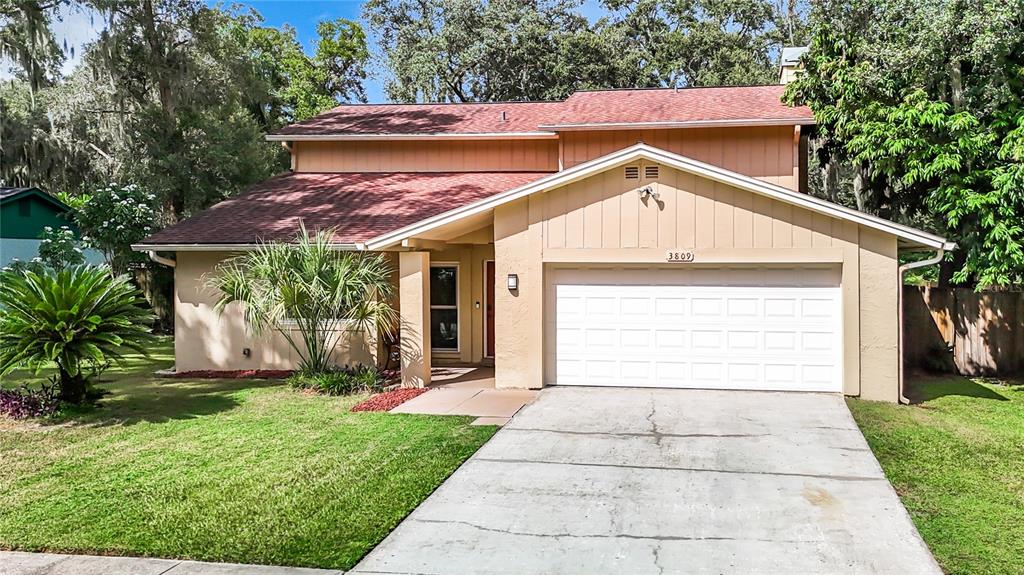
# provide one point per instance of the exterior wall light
(513, 282)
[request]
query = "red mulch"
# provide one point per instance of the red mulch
(389, 399)
(235, 374)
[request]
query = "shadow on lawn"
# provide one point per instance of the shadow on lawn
(164, 399)
(927, 389)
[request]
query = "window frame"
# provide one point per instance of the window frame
(457, 307)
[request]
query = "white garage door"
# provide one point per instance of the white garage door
(757, 328)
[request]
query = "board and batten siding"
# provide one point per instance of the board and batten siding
(769, 153)
(427, 156)
(602, 220)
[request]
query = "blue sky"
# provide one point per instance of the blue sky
(304, 16)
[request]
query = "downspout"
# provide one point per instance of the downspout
(899, 312)
(161, 259)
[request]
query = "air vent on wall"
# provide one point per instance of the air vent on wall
(632, 172)
(650, 172)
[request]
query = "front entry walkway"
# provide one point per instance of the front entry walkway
(468, 391)
(589, 480)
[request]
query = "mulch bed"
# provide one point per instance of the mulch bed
(389, 399)
(235, 374)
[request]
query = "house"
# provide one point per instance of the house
(619, 237)
(25, 213)
(790, 65)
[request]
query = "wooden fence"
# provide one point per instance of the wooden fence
(975, 333)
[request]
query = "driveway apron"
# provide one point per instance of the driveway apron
(618, 480)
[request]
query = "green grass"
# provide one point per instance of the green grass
(220, 470)
(957, 460)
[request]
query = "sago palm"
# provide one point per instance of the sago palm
(309, 282)
(78, 318)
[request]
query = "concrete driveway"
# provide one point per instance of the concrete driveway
(603, 480)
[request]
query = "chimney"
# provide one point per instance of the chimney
(790, 64)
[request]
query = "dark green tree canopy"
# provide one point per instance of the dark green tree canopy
(925, 100)
(477, 50)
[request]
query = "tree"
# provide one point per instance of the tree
(703, 42)
(300, 86)
(112, 219)
(471, 50)
(58, 248)
(324, 292)
(476, 50)
(924, 100)
(26, 38)
(80, 319)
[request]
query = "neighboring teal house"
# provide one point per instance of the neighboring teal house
(24, 212)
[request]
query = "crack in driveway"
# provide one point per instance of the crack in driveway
(695, 469)
(567, 535)
(657, 435)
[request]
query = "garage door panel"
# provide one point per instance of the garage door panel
(635, 328)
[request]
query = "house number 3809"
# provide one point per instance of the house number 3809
(679, 256)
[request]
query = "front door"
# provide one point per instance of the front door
(489, 309)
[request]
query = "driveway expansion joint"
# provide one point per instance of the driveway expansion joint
(566, 535)
(854, 478)
(627, 434)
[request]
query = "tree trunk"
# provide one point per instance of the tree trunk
(72, 388)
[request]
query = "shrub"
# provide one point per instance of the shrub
(312, 286)
(25, 402)
(80, 319)
(59, 248)
(340, 381)
(113, 218)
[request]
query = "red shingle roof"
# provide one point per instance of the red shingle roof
(359, 206)
(482, 118)
(688, 105)
(740, 103)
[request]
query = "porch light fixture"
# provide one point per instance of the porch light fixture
(513, 282)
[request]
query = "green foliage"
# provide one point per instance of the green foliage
(924, 100)
(112, 218)
(26, 38)
(171, 467)
(174, 95)
(310, 287)
(472, 50)
(80, 318)
(957, 462)
(340, 381)
(58, 248)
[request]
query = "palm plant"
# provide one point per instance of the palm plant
(80, 318)
(311, 285)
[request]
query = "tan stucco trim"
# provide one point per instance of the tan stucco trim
(701, 257)
(414, 312)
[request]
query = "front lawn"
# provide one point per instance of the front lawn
(220, 470)
(957, 461)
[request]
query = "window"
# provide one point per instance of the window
(25, 207)
(444, 307)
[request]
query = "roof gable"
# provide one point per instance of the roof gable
(13, 194)
(682, 163)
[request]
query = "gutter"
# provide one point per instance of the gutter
(541, 135)
(161, 260)
(669, 124)
(939, 254)
(222, 247)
